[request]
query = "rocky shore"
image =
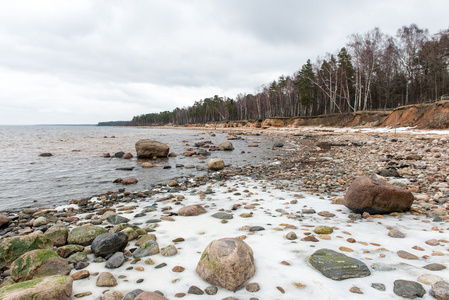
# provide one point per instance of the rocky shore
(298, 236)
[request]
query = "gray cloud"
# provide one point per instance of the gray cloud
(88, 61)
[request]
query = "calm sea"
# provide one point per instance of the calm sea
(77, 168)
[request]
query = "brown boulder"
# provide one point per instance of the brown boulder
(4, 220)
(131, 180)
(127, 156)
(150, 149)
(228, 263)
(376, 197)
(191, 210)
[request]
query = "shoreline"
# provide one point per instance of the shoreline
(311, 171)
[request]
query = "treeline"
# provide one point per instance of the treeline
(373, 71)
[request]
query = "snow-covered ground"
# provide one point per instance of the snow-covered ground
(275, 209)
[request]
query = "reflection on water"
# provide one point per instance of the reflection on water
(77, 168)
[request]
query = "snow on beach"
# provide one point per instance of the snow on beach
(282, 267)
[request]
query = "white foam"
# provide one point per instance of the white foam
(271, 247)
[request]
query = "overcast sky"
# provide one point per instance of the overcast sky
(79, 62)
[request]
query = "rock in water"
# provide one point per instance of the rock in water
(192, 210)
(408, 289)
(109, 243)
(228, 263)
(13, 247)
(38, 263)
(338, 266)
(216, 164)
(225, 146)
(376, 197)
(57, 287)
(150, 149)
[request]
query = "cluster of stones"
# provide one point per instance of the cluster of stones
(38, 262)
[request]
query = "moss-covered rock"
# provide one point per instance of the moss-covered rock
(84, 235)
(338, 266)
(13, 247)
(58, 234)
(57, 287)
(67, 250)
(77, 257)
(38, 263)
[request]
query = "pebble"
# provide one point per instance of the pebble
(195, 290)
(406, 255)
(379, 286)
(394, 233)
(211, 290)
(252, 287)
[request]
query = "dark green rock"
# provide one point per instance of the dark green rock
(338, 266)
(408, 289)
(13, 247)
(116, 219)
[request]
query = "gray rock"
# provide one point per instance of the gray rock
(222, 215)
(408, 289)
(109, 243)
(116, 219)
(440, 290)
(149, 248)
(225, 146)
(338, 266)
(133, 294)
(379, 286)
(394, 233)
(195, 290)
(434, 267)
(115, 261)
(256, 228)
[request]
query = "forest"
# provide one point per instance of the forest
(373, 71)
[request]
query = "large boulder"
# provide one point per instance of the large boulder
(376, 197)
(13, 247)
(109, 243)
(338, 266)
(150, 149)
(225, 146)
(38, 263)
(57, 287)
(84, 235)
(216, 164)
(58, 235)
(192, 210)
(228, 263)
